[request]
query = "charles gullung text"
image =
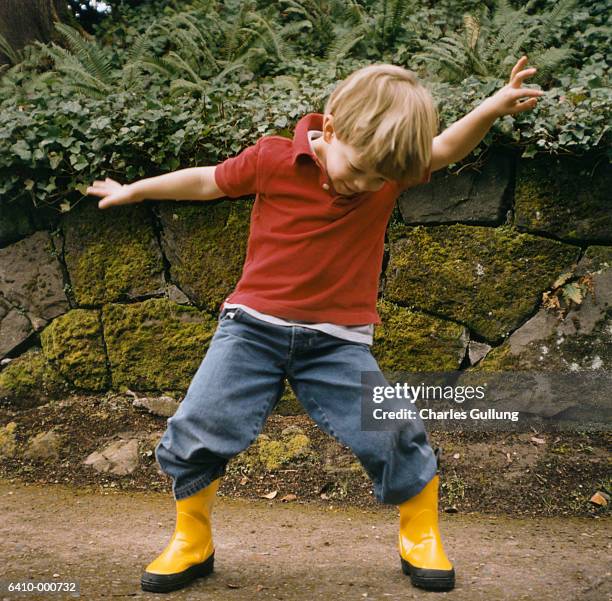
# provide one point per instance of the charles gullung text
(456, 393)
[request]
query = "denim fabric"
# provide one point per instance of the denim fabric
(238, 384)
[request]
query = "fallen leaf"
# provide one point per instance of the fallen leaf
(270, 495)
(289, 497)
(572, 292)
(600, 498)
(538, 440)
(562, 279)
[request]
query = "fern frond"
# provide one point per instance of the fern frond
(398, 12)
(181, 65)
(182, 86)
(160, 65)
(548, 62)
(343, 43)
(249, 36)
(239, 64)
(91, 91)
(348, 11)
(13, 55)
(233, 36)
(297, 8)
(60, 56)
(295, 27)
(472, 30)
(141, 45)
(553, 18)
(78, 75)
(282, 50)
(90, 55)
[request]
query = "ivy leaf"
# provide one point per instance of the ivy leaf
(22, 150)
(54, 160)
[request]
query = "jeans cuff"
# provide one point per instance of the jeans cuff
(192, 488)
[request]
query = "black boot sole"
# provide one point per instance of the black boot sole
(432, 580)
(165, 583)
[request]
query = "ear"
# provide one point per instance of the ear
(328, 128)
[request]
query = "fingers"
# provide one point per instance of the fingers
(98, 190)
(527, 92)
(518, 79)
(519, 64)
(517, 76)
(524, 105)
(110, 201)
(103, 188)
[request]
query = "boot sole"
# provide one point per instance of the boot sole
(432, 580)
(165, 583)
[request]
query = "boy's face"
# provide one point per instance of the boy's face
(343, 164)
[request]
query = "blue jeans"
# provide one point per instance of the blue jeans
(241, 379)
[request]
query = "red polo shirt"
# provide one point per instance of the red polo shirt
(312, 255)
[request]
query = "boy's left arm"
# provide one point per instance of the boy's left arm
(458, 140)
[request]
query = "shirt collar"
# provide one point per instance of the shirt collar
(301, 144)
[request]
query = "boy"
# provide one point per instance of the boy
(305, 306)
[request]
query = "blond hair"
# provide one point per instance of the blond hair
(389, 117)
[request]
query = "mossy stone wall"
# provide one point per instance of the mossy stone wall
(144, 283)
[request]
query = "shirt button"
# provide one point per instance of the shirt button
(325, 186)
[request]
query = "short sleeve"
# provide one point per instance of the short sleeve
(238, 176)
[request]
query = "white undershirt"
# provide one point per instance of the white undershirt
(364, 333)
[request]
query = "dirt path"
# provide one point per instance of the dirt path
(272, 550)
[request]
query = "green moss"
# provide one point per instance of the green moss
(411, 341)
(206, 247)
(29, 380)
(73, 344)
(273, 454)
(111, 254)
(156, 344)
(569, 197)
(8, 441)
(289, 404)
(489, 279)
(597, 258)
(498, 359)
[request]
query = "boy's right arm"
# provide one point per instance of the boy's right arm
(193, 183)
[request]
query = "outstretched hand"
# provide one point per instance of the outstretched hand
(507, 101)
(113, 193)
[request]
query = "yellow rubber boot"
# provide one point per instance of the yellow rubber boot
(421, 552)
(190, 554)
